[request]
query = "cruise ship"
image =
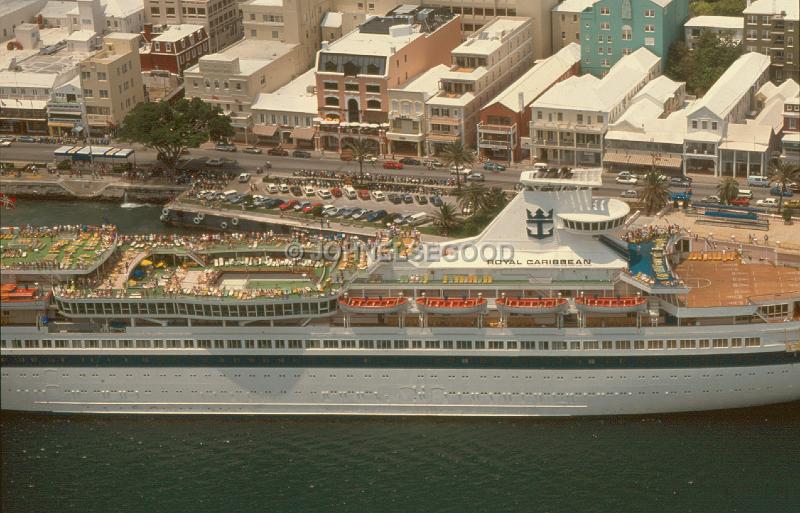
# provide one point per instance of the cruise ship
(557, 308)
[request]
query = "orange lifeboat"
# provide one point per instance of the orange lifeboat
(451, 306)
(611, 304)
(10, 293)
(377, 305)
(529, 305)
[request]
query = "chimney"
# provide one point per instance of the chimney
(324, 45)
(521, 99)
(40, 21)
(148, 31)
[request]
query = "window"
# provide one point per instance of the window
(101, 75)
(627, 32)
(649, 13)
(605, 11)
(649, 28)
(274, 34)
(155, 11)
(373, 88)
(713, 125)
(87, 93)
(103, 93)
(253, 33)
(605, 26)
(694, 123)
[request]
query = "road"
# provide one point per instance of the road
(285, 166)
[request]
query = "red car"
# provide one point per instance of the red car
(287, 205)
(363, 194)
(278, 152)
(337, 192)
(392, 164)
(307, 209)
(741, 202)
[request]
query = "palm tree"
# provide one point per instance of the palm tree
(727, 190)
(496, 199)
(782, 173)
(446, 219)
(474, 194)
(360, 150)
(655, 191)
(458, 155)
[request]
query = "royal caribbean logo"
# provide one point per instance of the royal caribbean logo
(538, 221)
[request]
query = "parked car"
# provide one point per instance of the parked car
(26, 138)
(363, 194)
(370, 158)
(272, 188)
(214, 162)
(244, 178)
(324, 194)
(757, 181)
(278, 152)
(776, 191)
(378, 195)
(402, 218)
(437, 201)
(375, 216)
(345, 212)
(621, 174)
(407, 198)
(740, 202)
(710, 199)
(273, 203)
(627, 180)
(311, 206)
(476, 177)
(329, 210)
(301, 205)
(767, 202)
(5, 144)
(422, 200)
(392, 164)
(288, 205)
(283, 187)
(459, 170)
(410, 161)
(337, 192)
(794, 186)
(680, 181)
(432, 162)
(358, 213)
(251, 149)
(302, 154)
(296, 190)
(630, 193)
(309, 191)
(493, 166)
(394, 198)
(225, 147)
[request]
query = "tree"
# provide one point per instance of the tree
(474, 194)
(458, 155)
(446, 219)
(655, 191)
(171, 128)
(360, 150)
(782, 173)
(727, 190)
(717, 8)
(496, 199)
(701, 67)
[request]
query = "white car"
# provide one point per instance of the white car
(272, 188)
(324, 194)
(283, 187)
(627, 180)
(215, 162)
(459, 170)
(244, 177)
(630, 193)
(378, 195)
(309, 191)
(5, 144)
(767, 202)
(329, 210)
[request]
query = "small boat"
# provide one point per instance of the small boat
(611, 304)
(529, 305)
(348, 304)
(451, 306)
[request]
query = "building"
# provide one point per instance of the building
(790, 143)
(103, 15)
(566, 22)
(730, 100)
(571, 118)
(287, 21)
(407, 120)
(16, 12)
(65, 109)
(220, 18)
(485, 64)
(611, 29)
(286, 116)
(725, 27)
(124, 15)
(23, 101)
(233, 78)
(112, 83)
(55, 13)
(772, 28)
(505, 120)
(173, 48)
(355, 72)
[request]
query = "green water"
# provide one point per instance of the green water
(736, 461)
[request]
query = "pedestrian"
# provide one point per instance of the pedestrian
(766, 238)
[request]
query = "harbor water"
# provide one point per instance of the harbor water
(733, 461)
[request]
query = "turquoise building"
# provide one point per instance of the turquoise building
(611, 29)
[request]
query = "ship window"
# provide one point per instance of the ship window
(688, 344)
(672, 344)
(91, 344)
(655, 344)
(18, 344)
(544, 345)
(126, 343)
(528, 344)
(32, 343)
(575, 345)
(106, 343)
(623, 344)
(432, 344)
(495, 344)
(295, 344)
(77, 343)
(3, 343)
(330, 344)
(736, 342)
(312, 344)
(720, 342)
(348, 344)
(188, 344)
(45, 343)
(264, 344)
(142, 344)
(608, 344)
(591, 344)
(219, 344)
(280, 344)
(704, 342)
(174, 344)
(559, 345)
(64, 343)
(416, 344)
(463, 344)
(366, 344)
(447, 344)
(752, 341)
(401, 344)
(511, 344)
(480, 344)
(204, 344)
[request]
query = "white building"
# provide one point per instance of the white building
(65, 108)
(286, 116)
(103, 15)
(16, 12)
(726, 27)
(571, 119)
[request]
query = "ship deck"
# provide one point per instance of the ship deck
(732, 283)
(54, 249)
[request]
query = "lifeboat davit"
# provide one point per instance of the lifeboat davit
(611, 304)
(531, 306)
(376, 305)
(451, 306)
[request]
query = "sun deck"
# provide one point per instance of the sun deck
(53, 250)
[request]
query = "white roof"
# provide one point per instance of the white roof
(122, 8)
(772, 113)
(790, 7)
(364, 43)
(747, 137)
(660, 89)
(427, 82)
(574, 5)
(266, 3)
(588, 92)
(733, 84)
(177, 32)
(27, 79)
(539, 78)
(82, 35)
(669, 130)
(293, 97)
(253, 54)
(332, 20)
(719, 22)
(489, 37)
(641, 111)
(9, 6)
(56, 9)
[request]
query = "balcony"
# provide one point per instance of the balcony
(563, 125)
(64, 107)
(442, 120)
(443, 137)
(487, 128)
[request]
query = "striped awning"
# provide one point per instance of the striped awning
(640, 159)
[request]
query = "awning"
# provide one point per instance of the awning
(121, 153)
(265, 130)
(62, 151)
(640, 159)
(305, 133)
